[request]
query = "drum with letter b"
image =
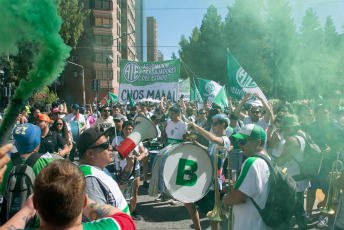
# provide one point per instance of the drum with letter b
(186, 172)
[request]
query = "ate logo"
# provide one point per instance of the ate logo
(244, 80)
(131, 71)
(209, 87)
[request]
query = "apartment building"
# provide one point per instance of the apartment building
(100, 50)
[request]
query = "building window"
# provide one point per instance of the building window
(99, 74)
(118, 29)
(118, 45)
(103, 4)
(102, 74)
(100, 57)
(102, 39)
(118, 61)
(104, 22)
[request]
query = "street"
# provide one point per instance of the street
(165, 216)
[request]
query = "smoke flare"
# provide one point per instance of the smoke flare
(36, 21)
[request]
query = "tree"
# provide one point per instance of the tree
(73, 16)
(205, 52)
(283, 43)
(309, 55)
(71, 30)
(173, 56)
(246, 38)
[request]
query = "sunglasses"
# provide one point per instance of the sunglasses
(116, 120)
(244, 141)
(105, 145)
(106, 110)
(59, 124)
(255, 112)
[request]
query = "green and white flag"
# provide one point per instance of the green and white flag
(221, 98)
(113, 97)
(149, 81)
(208, 89)
(240, 82)
(184, 89)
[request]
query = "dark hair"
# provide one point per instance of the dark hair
(59, 190)
(127, 123)
(233, 117)
(175, 109)
(103, 107)
(65, 133)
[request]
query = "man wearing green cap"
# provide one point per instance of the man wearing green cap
(253, 181)
(292, 154)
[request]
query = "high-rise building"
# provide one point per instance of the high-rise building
(99, 50)
(152, 39)
(160, 55)
(140, 30)
(128, 27)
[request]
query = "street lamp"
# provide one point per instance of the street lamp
(109, 59)
(83, 82)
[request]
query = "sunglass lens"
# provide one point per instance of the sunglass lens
(242, 141)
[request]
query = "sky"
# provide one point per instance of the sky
(178, 17)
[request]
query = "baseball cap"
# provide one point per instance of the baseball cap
(55, 110)
(26, 137)
(75, 106)
(289, 121)
(43, 117)
(118, 116)
(251, 130)
(82, 109)
(88, 137)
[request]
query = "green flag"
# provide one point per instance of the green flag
(194, 93)
(208, 89)
(239, 81)
(113, 97)
(221, 98)
(131, 101)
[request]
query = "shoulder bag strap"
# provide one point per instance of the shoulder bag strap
(270, 164)
(15, 158)
(31, 161)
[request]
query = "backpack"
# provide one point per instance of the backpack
(281, 197)
(312, 158)
(19, 186)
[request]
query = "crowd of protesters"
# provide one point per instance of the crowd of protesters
(88, 134)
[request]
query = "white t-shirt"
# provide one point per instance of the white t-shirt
(237, 127)
(253, 181)
(121, 163)
(261, 122)
(175, 131)
(293, 168)
(71, 118)
(102, 124)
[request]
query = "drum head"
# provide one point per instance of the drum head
(188, 172)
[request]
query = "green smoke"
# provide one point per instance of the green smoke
(287, 47)
(35, 21)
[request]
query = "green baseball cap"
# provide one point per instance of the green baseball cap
(251, 130)
(289, 121)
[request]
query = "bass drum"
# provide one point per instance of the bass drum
(186, 172)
